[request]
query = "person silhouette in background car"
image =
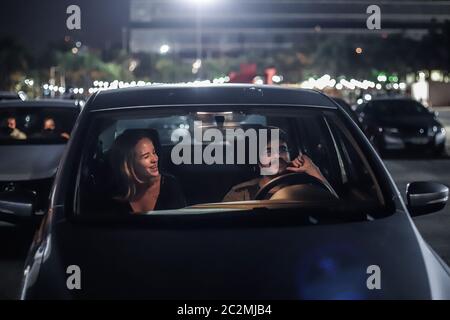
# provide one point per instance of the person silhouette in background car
(15, 133)
(141, 187)
(247, 190)
(49, 130)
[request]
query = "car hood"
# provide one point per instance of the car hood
(29, 162)
(295, 262)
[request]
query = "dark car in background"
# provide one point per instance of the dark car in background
(346, 106)
(296, 239)
(8, 95)
(33, 136)
(401, 123)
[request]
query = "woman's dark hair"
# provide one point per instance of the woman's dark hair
(122, 158)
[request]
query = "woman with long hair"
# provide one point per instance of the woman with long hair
(139, 184)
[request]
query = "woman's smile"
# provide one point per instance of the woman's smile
(153, 168)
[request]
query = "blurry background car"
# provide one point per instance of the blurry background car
(33, 135)
(348, 109)
(7, 95)
(398, 124)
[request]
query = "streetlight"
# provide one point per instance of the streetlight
(198, 27)
(196, 66)
(165, 48)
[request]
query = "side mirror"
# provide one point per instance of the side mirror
(426, 197)
(16, 205)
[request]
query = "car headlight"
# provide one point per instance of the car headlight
(438, 130)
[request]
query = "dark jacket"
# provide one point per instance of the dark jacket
(170, 196)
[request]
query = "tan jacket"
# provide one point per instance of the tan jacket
(17, 134)
(244, 191)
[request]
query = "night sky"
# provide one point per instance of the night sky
(35, 23)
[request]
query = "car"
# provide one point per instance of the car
(401, 123)
(29, 155)
(344, 104)
(7, 95)
(337, 228)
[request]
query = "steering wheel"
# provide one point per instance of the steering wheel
(295, 178)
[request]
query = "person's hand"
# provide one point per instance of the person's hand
(304, 164)
(65, 135)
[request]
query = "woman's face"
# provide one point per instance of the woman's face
(146, 163)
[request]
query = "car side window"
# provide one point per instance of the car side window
(318, 145)
(361, 183)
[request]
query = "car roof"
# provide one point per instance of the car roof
(40, 103)
(392, 98)
(341, 101)
(9, 95)
(224, 94)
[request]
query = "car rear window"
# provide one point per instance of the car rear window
(398, 108)
(36, 125)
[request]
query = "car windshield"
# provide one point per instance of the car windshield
(399, 108)
(238, 158)
(36, 125)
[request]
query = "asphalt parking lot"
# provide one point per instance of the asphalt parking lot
(435, 227)
(404, 167)
(14, 246)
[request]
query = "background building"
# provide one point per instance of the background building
(230, 27)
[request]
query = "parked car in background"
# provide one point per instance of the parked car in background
(401, 123)
(8, 95)
(344, 104)
(33, 136)
(297, 237)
